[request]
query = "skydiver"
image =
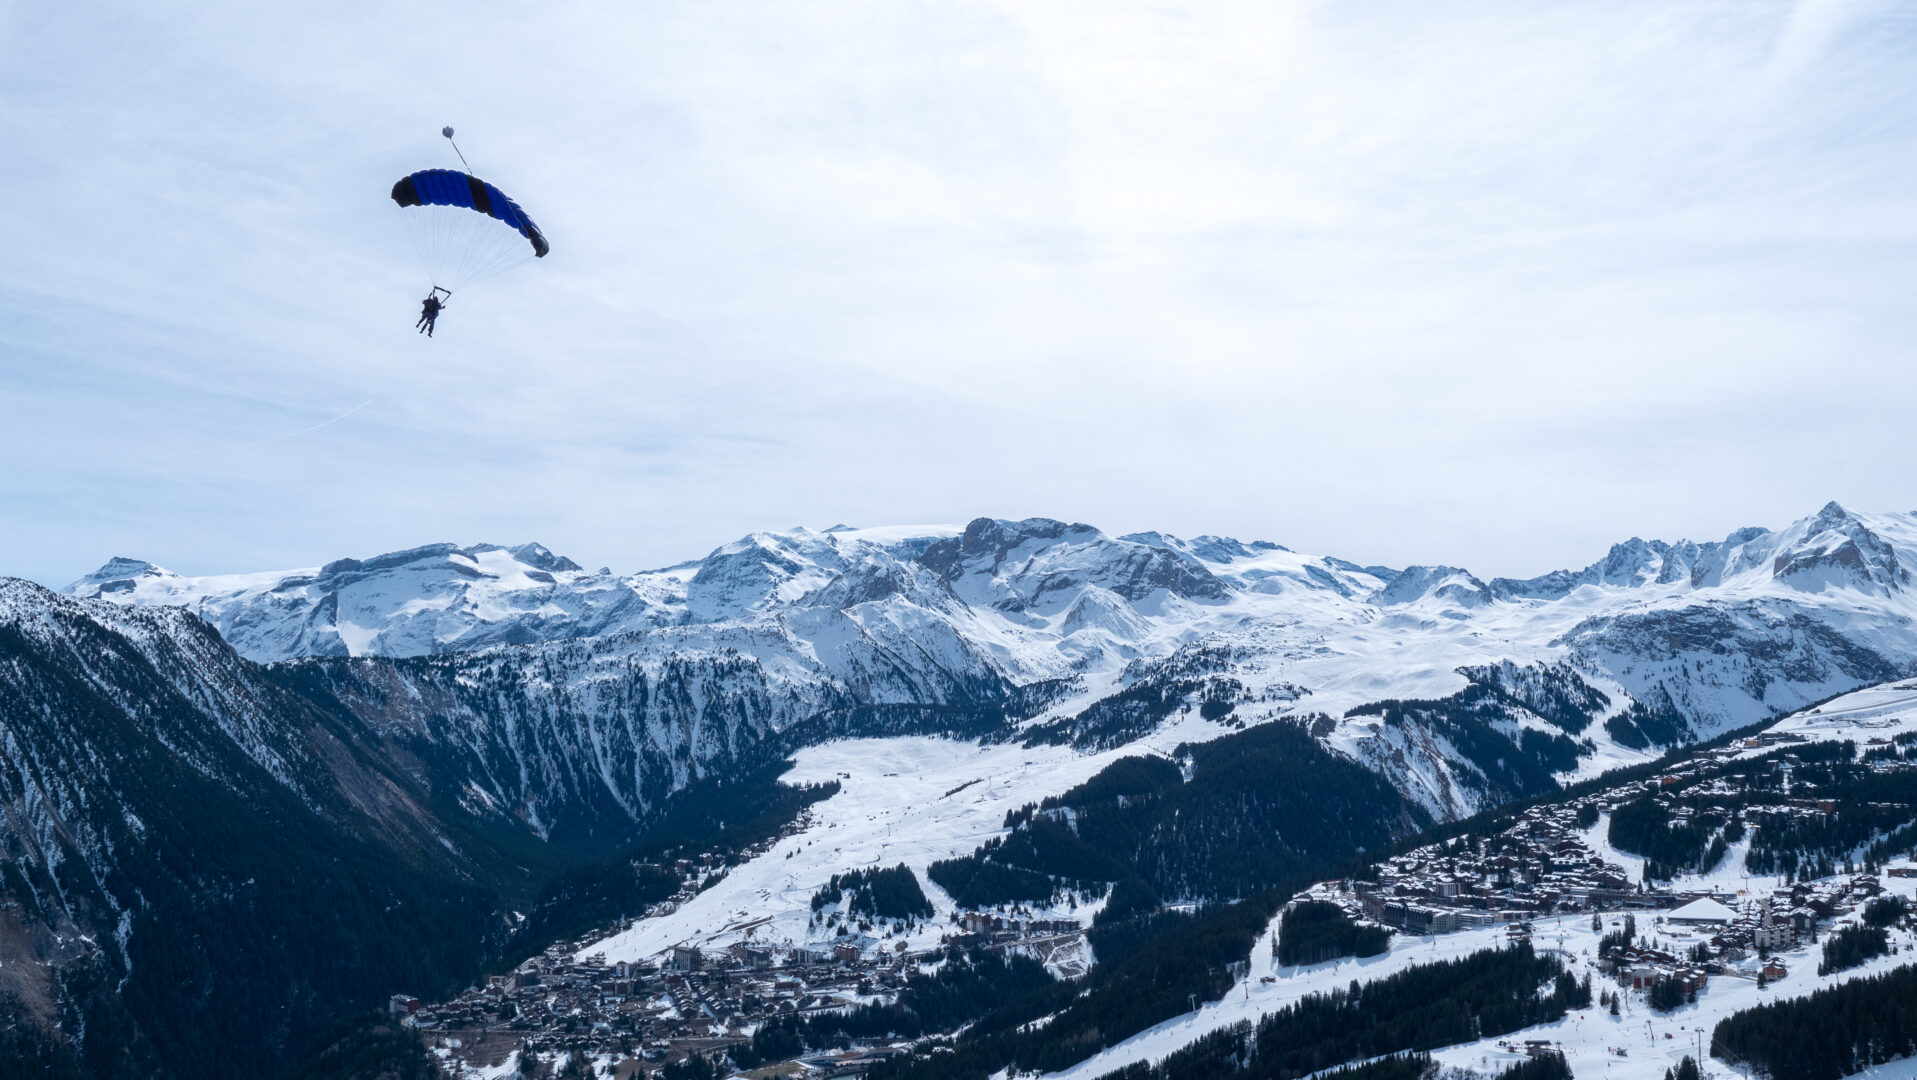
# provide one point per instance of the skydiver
(429, 313)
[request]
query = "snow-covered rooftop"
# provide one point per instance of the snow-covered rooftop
(1703, 909)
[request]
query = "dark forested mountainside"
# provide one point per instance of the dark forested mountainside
(1259, 807)
(1154, 691)
(1156, 980)
(1312, 932)
(1260, 812)
(1851, 946)
(206, 862)
(1875, 811)
(1696, 844)
(967, 988)
(370, 1046)
(1690, 824)
(169, 817)
(1427, 1007)
(1832, 1033)
(719, 820)
(1482, 724)
(887, 893)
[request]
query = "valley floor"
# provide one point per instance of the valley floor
(919, 800)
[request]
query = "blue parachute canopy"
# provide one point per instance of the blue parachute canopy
(448, 187)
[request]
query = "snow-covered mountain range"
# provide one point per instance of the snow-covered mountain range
(1654, 644)
(450, 727)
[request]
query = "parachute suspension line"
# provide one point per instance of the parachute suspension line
(462, 268)
(416, 231)
(476, 238)
(457, 249)
(496, 266)
(430, 233)
(498, 250)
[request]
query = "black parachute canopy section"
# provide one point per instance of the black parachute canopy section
(449, 187)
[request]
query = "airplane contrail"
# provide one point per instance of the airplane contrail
(304, 430)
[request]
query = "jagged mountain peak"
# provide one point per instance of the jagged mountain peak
(1837, 548)
(542, 557)
(1038, 564)
(1207, 548)
(761, 571)
(117, 575)
(1834, 515)
(998, 536)
(423, 599)
(483, 560)
(1446, 583)
(1833, 548)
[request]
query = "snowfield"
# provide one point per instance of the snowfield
(1875, 712)
(893, 807)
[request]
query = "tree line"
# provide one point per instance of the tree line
(1851, 946)
(1489, 993)
(1228, 818)
(966, 988)
(1832, 1033)
(1313, 931)
(879, 893)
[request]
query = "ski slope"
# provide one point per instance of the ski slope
(1875, 712)
(892, 807)
(1586, 1037)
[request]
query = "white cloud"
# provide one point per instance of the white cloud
(1481, 284)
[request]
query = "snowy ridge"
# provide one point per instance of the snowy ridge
(407, 603)
(171, 645)
(1675, 641)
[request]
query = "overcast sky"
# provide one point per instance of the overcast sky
(1486, 284)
